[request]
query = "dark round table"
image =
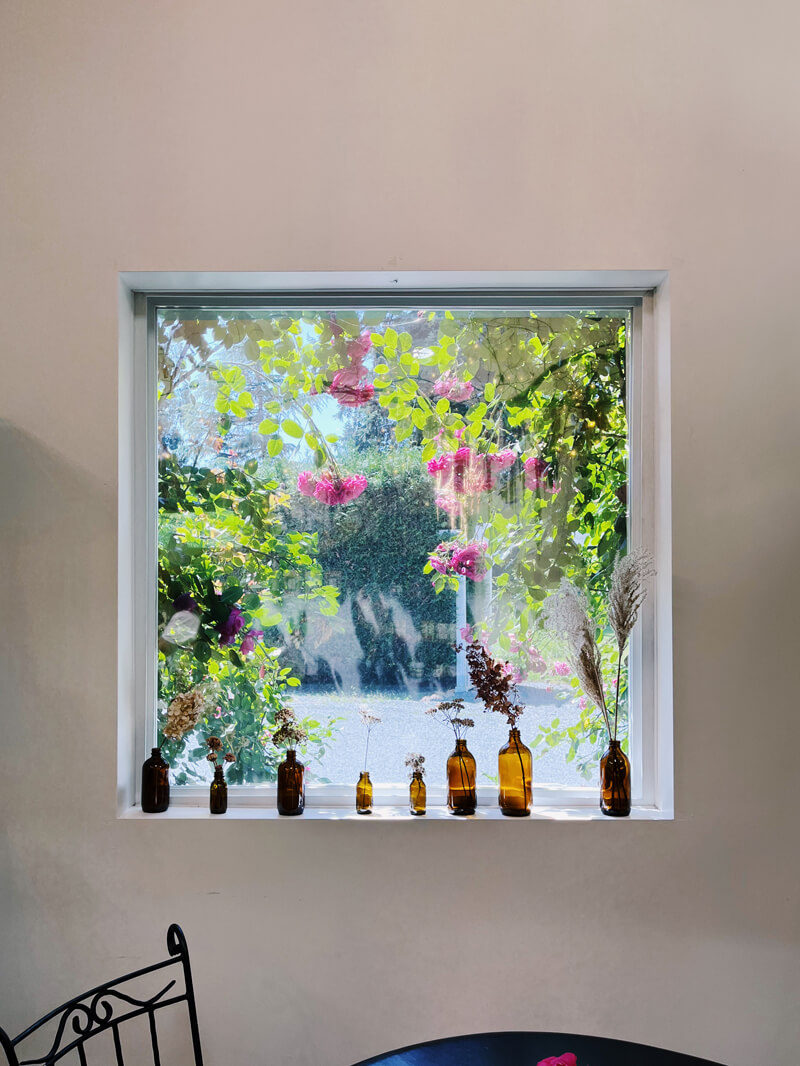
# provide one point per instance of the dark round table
(527, 1049)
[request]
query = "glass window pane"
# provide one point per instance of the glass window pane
(346, 496)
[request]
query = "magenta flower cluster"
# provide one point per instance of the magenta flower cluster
(349, 386)
(329, 488)
(465, 560)
(537, 475)
(452, 388)
(467, 472)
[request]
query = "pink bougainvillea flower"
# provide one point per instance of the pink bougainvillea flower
(501, 460)
(358, 349)
(350, 395)
(441, 558)
(440, 564)
(247, 647)
(350, 377)
(567, 1059)
(453, 389)
(334, 490)
(438, 466)
(466, 472)
(467, 633)
(469, 561)
(536, 471)
(448, 504)
(562, 669)
(536, 662)
(306, 483)
(230, 628)
(329, 489)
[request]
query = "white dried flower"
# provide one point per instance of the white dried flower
(188, 708)
(627, 592)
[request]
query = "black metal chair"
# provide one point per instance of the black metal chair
(105, 1008)
(527, 1049)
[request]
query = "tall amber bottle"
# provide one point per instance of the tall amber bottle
(218, 797)
(155, 783)
(417, 793)
(615, 782)
(364, 794)
(514, 763)
(291, 785)
(461, 795)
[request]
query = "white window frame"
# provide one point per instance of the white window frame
(649, 516)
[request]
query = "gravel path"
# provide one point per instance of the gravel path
(404, 727)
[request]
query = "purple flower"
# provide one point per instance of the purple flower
(249, 641)
(185, 602)
(231, 626)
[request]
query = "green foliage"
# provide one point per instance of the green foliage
(550, 390)
(224, 552)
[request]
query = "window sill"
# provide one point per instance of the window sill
(387, 813)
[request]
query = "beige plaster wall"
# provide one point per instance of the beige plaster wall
(367, 134)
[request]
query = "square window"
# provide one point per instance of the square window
(346, 489)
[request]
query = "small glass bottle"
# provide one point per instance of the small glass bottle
(417, 793)
(291, 785)
(615, 782)
(514, 764)
(364, 794)
(218, 798)
(155, 783)
(461, 797)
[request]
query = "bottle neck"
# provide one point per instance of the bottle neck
(417, 775)
(364, 775)
(155, 753)
(614, 745)
(291, 755)
(461, 745)
(218, 772)
(513, 733)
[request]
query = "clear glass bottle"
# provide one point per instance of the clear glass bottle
(218, 797)
(155, 783)
(615, 782)
(514, 764)
(461, 795)
(291, 785)
(417, 793)
(364, 794)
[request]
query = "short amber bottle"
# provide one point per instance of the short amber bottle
(514, 764)
(615, 782)
(218, 797)
(461, 796)
(417, 793)
(364, 794)
(155, 783)
(291, 785)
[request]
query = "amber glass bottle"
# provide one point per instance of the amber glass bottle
(155, 783)
(291, 786)
(364, 794)
(218, 800)
(514, 763)
(461, 797)
(615, 782)
(417, 793)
